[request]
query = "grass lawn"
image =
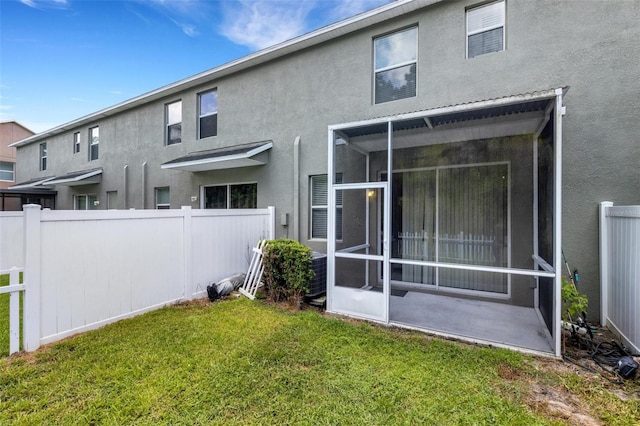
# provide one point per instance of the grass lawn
(244, 362)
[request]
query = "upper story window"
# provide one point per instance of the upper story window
(485, 29)
(43, 156)
(94, 142)
(7, 171)
(173, 114)
(76, 142)
(208, 114)
(395, 60)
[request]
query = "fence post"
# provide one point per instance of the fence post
(604, 262)
(31, 277)
(187, 232)
(272, 223)
(14, 312)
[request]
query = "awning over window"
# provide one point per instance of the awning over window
(251, 154)
(85, 177)
(41, 182)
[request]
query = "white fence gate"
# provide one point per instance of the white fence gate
(85, 269)
(620, 271)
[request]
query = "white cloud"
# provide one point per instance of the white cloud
(348, 8)
(260, 24)
(185, 14)
(116, 92)
(77, 100)
(46, 4)
(188, 29)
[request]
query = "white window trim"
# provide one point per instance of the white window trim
(503, 25)
(76, 142)
(43, 157)
(167, 124)
(321, 207)
(228, 185)
(13, 171)
(93, 143)
(77, 196)
(161, 206)
(201, 116)
(398, 65)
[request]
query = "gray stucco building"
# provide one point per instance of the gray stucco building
(471, 94)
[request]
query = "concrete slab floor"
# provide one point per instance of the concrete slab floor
(497, 323)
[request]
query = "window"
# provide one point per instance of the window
(208, 112)
(395, 59)
(76, 142)
(85, 202)
(43, 156)
(485, 29)
(94, 142)
(319, 201)
(233, 196)
(173, 113)
(7, 171)
(162, 198)
(112, 200)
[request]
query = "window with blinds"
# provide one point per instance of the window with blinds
(395, 59)
(485, 29)
(319, 207)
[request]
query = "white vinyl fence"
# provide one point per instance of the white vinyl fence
(11, 240)
(620, 271)
(85, 269)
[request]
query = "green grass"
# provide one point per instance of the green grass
(243, 362)
(4, 316)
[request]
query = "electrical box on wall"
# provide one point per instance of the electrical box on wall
(284, 219)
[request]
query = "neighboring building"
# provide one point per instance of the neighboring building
(10, 132)
(505, 124)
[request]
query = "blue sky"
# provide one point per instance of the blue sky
(63, 59)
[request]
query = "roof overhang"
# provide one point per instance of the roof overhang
(86, 177)
(253, 154)
(492, 118)
(33, 183)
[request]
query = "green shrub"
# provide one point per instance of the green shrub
(573, 302)
(287, 270)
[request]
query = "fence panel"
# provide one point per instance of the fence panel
(91, 268)
(222, 242)
(11, 239)
(620, 271)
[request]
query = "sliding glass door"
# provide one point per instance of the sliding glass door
(454, 215)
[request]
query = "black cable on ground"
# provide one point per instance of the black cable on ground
(604, 354)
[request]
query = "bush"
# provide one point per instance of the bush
(287, 270)
(574, 303)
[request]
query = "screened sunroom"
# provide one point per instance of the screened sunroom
(448, 220)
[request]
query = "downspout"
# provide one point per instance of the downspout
(125, 185)
(296, 188)
(144, 183)
(559, 111)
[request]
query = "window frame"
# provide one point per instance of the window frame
(162, 206)
(94, 142)
(503, 25)
(398, 65)
(76, 142)
(211, 114)
(90, 200)
(112, 198)
(325, 207)
(168, 125)
(203, 198)
(12, 171)
(43, 156)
